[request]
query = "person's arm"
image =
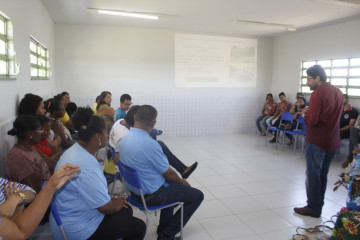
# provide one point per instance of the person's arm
(13, 199)
(313, 112)
(25, 224)
(351, 123)
(114, 205)
(263, 110)
(51, 162)
(55, 143)
(171, 176)
(57, 128)
(33, 182)
(109, 112)
(292, 109)
(68, 124)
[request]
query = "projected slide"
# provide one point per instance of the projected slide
(211, 61)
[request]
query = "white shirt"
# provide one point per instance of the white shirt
(117, 132)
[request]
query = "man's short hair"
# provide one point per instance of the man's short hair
(146, 115)
(282, 94)
(125, 97)
(315, 71)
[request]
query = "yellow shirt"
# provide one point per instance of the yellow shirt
(65, 118)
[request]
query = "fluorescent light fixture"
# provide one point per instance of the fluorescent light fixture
(291, 29)
(128, 14)
(285, 26)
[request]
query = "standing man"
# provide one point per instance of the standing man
(323, 137)
(161, 184)
(125, 104)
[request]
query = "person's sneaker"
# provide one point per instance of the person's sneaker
(307, 212)
(162, 236)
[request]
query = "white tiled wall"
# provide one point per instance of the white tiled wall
(196, 115)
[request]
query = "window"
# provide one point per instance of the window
(39, 59)
(8, 64)
(343, 73)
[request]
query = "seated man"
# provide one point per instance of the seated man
(125, 104)
(120, 129)
(160, 183)
(347, 119)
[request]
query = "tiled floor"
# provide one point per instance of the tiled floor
(250, 190)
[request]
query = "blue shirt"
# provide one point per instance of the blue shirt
(139, 151)
(119, 114)
(77, 201)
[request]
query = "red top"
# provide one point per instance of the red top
(44, 148)
(323, 117)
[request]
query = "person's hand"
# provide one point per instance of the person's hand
(121, 201)
(186, 182)
(63, 174)
(7, 208)
(304, 111)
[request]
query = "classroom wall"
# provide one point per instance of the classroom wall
(336, 41)
(29, 17)
(140, 62)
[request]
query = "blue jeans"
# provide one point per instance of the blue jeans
(258, 120)
(317, 167)
(172, 159)
(191, 197)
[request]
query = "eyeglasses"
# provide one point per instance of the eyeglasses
(128, 104)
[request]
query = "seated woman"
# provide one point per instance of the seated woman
(34, 105)
(296, 110)
(354, 140)
(24, 163)
(84, 205)
(267, 111)
(22, 226)
(13, 196)
(56, 110)
(104, 110)
(49, 154)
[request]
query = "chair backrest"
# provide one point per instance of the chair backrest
(286, 116)
(130, 175)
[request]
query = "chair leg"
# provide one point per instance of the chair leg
(182, 219)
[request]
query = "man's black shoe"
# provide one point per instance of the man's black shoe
(164, 237)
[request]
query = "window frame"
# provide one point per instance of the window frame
(9, 57)
(330, 77)
(40, 57)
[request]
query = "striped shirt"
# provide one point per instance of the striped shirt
(2, 189)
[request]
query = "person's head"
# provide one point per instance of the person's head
(55, 108)
(282, 97)
(315, 76)
(346, 99)
(31, 104)
(146, 115)
(90, 127)
(71, 108)
(26, 128)
(125, 102)
(66, 95)
(301, 102)
(45, 126)
(129, 118)
(269, 97)
(104, 98)
(299, 94)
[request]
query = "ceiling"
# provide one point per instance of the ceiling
(210, 16)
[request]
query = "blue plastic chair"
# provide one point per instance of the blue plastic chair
(58, 233)
(117, 175)
(286, 116)
(299, 130)
(131, 177)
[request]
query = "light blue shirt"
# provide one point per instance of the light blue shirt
(139, 151)
(119, 114)
(77, 201)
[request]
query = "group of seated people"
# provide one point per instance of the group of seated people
(55, 143)
(349, 123)
(272, 112)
